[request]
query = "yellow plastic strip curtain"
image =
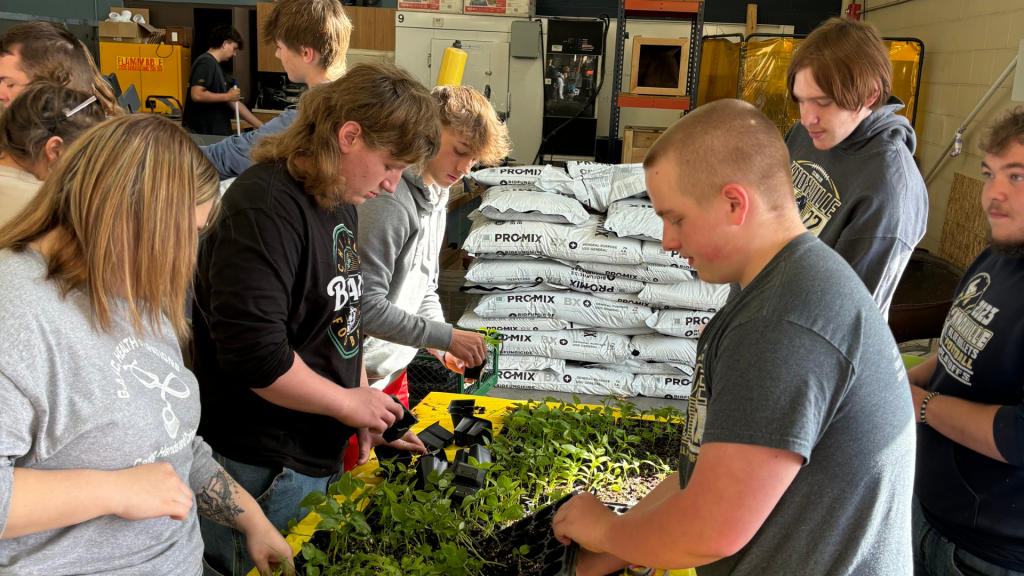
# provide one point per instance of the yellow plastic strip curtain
(906, 64)
(763, 79)
(762, 75)
(719, 70)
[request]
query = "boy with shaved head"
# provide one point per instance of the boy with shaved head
(798, 448)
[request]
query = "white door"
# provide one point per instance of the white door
(486, 65)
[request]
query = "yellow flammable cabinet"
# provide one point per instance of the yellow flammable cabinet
(154, 69)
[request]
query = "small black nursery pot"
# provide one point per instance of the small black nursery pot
(436, 437)
(472, 430)
(402, 425)
(427, 464)
(396, 456)
(460, 409)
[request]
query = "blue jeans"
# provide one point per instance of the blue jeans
(278, 491)
(936, 556)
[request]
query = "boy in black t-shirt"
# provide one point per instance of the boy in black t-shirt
(209, 104)
(798, 445)
(969, 514)
(278, 328)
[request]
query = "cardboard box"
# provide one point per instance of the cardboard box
(179, 35)
(520, 8)
(130, 32)
(436, 6)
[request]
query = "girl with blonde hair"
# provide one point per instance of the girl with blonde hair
(98, 436)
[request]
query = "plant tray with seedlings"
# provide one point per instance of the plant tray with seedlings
(488, 510)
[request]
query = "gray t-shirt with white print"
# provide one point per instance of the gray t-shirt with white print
(73, 397)
(801, 360)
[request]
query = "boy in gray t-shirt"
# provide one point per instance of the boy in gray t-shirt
(798, 448)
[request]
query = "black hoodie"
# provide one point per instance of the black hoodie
(864, 197)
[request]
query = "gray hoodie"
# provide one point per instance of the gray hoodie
(865, 197)
(400, 239)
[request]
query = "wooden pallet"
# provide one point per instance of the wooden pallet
(636, 140)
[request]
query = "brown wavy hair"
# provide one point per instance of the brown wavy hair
(396, 114)
(121, 206)
(318, 24)
(50, 53)
(849, 62)
(474, 119)
(29, 122)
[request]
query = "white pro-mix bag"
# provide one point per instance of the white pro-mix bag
(586, 242)
(620, 331)
(597, 185)
(679, 323)
(635, 217)
(471, 321)
(471, 288)
(696, 295)
(647, 273)
(574, 380)
(582, 309)
(556, 365)
(576, 345)
(653, 254)
(538, 272)
(634, 366)
(659, 348)
(622, 299)
(523, 203)
(512, 175)
(662, 385)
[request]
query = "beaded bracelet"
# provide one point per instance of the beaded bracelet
(924, 404)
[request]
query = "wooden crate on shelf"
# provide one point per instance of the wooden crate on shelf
(636, 140)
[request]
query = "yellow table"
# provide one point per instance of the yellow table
(433, 408)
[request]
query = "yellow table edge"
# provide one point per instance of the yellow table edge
(433, 408)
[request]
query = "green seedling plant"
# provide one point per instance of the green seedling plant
(545, 451)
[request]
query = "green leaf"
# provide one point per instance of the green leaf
(524, 549)
(327, 524)
(616, 488)
(312, 499)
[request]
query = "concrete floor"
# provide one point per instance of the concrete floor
(642, 402)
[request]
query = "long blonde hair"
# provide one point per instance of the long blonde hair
(395, 112)
(473, 118)
(121, 203)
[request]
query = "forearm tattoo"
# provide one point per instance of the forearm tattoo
(216, 501)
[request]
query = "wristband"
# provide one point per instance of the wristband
(924, 404)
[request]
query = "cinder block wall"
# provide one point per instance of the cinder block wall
(968, 44)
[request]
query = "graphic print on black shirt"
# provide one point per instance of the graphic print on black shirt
(347, 288)
(696, 412)
(965, 333)
(816, 195)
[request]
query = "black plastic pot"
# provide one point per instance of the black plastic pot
(436, 437)
(394, 455)
(402, 425)
(472, 430)
(474, 372)
(481, 454)
(458, 409)
(427, 464)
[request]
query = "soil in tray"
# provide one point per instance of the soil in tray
(632, 490)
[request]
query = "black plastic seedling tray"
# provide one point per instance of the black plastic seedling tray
(546, 556)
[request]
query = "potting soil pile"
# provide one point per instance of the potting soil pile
(569, 267)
